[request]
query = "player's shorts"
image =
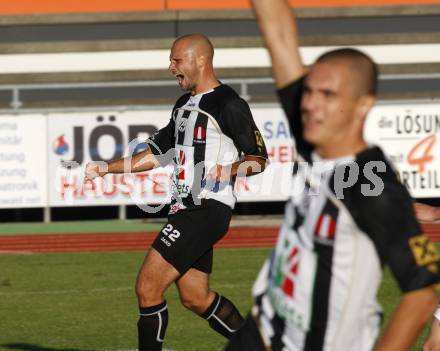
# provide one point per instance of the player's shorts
(247, 338)
(187, 240)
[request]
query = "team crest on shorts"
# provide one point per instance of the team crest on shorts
(174, 208)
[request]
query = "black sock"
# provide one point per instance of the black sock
(152, 324)
(223, 316)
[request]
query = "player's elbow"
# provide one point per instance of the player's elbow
(251, 165)
(431, 300)
(264, 164)
(258, 165)
(424, 302)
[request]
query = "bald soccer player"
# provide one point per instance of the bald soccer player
(213, 139)
(347, 216)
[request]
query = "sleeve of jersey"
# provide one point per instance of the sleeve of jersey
(243, 130)
(161, 144)
(290, 99)
(411, 256)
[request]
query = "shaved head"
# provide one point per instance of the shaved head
(364, 70)
(198, 43)
(191, 62)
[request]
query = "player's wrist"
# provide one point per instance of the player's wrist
(437, 313)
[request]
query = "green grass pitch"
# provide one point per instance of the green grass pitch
(85, 301)
(101, 226)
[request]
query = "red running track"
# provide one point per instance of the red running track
(238, 237)
(98, 242)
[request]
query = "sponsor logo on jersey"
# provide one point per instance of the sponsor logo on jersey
(285, 283)
(424, 252)
(199, 135)
(286, 279)
(181, 162)
(286, 311)
(180, 190)
(182, 124)
(325, 228)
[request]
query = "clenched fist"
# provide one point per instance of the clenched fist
(95, 169)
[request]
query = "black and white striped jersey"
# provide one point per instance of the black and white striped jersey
(318, 289)
(215, 127)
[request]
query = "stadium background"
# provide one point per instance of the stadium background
(94, 64)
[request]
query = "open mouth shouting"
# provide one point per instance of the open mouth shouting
(180, 78)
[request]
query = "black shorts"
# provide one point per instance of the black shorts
(247, 338)
(187, 240)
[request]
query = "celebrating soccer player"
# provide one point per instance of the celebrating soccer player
(212, 138)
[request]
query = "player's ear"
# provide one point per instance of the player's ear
(201, 61)
(365, 104)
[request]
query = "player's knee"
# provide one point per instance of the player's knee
(188, 302)
(147, 292)
(193, 304)
(197, 303)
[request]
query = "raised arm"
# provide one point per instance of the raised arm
(278, 27)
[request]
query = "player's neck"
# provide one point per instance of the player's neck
(205, 85)
(338, 150)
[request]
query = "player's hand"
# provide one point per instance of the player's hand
(432, 343)
(426, 213)
(95, 169)
(219, 173)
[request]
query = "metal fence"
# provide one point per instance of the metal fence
(243, 85)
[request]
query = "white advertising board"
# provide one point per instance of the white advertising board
(23, 160)
(78, 138)
(410, 135)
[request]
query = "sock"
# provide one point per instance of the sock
(152, 324)
(223, 316)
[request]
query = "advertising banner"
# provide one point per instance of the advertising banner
(40, 169)
(78, 138)
(23, 160)
(410, 135)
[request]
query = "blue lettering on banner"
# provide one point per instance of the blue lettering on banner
(276, 130)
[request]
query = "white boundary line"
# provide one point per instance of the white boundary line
(90, 291)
